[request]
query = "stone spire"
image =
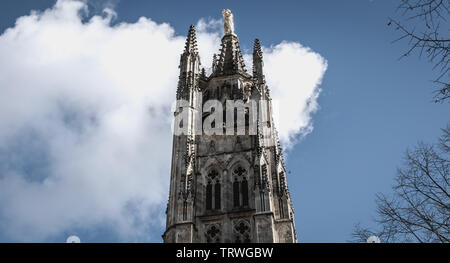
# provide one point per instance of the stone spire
(230, 59)
(189, 66)
(191, 41)
(258, 72)
(258, 63)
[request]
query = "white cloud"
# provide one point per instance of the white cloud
(85, 118)
(294, 73)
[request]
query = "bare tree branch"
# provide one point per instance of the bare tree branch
(419, 208)
(426, 35)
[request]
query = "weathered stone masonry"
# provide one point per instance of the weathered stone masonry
(227, 188)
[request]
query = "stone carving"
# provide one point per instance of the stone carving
(241, 230)
(213, 174)
(213, 233)
(239, 171)
(212, 146)
(228, 23)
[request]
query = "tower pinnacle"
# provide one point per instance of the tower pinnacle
(258, 63)
(230, 59)
(191, 41)
(189, 66)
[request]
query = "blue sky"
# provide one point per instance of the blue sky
(373, 106)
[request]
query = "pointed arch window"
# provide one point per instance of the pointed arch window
(209, 196)
(236, 202)
(240, 187)
(213, 191)
(244, 191)
(217, 196)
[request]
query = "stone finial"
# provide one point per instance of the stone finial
(214, 63)
(257, 52)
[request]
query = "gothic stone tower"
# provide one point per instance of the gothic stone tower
(228, 187)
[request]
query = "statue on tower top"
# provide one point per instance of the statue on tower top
(228, 23)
